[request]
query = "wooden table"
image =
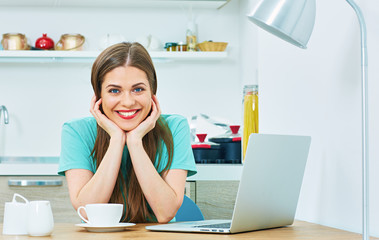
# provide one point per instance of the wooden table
(299, 230)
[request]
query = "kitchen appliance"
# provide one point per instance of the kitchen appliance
(206, 152)
(44, 42)
(230, 143)
(70, 42)
(14, 41)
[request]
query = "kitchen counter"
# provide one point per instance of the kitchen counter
(48, 166)
(33, 166)
(299, 230)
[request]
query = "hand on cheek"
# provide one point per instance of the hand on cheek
(147, 125)
(104, 122)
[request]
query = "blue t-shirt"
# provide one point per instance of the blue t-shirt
(79, 135)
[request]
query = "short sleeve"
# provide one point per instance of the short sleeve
(183, 156)
(75, 150)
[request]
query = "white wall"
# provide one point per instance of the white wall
(40, 97)
(316, 92)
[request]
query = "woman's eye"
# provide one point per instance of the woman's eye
(138, 90)
(114, 91)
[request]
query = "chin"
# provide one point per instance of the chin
(128, 127)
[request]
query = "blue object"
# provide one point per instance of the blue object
(189, 211)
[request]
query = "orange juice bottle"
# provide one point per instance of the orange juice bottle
(250, 114)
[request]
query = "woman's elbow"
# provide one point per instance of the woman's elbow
(165, 218)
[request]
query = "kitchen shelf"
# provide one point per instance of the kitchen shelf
(89, 56)
(215, 4)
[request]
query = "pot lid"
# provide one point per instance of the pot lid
(232, 136)
(203, 144)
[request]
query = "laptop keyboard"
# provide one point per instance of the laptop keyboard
(218, 225)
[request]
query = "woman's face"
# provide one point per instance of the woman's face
(126, 96)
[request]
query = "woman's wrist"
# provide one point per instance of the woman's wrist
(133, 142)
(118, 139)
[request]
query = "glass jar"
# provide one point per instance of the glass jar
(191, 36)
(171, 46)
(250, 114)
(182, 47)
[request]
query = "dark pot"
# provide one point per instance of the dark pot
(230, 150)
(206, 152)
(230, 146)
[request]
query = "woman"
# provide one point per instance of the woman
(127, 152)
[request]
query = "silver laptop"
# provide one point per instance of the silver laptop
(268, 191)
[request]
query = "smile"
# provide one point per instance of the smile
(127, 114)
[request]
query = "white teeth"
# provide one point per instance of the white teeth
(127, 114)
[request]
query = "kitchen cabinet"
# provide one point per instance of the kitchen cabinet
(56, 194)
(190, 190)
(216, 198)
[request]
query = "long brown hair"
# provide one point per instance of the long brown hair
(128, 191)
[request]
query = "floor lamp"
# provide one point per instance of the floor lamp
(293, 21)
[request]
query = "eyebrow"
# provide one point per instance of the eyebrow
(140, 83)
(113, 85)
(118, 86)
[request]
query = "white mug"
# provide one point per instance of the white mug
(102, 214)
(15, 216)
(40, 218)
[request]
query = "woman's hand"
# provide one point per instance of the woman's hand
(104, 122)
(147, 125)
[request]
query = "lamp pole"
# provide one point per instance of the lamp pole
(364, 82)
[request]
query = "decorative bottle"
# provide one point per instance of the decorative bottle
(191, 36)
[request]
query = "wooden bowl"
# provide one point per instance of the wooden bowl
(212, 46)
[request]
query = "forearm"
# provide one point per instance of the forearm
(161, 197)
(100, 186)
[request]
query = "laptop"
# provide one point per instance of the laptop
(268, 191)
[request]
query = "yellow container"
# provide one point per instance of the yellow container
(250, 114)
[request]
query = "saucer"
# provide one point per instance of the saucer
(116, 228)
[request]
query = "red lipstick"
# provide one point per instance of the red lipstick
(119, 112)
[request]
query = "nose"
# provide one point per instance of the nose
(127, 100)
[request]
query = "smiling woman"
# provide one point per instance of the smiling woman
(127, 152)
(126, 96)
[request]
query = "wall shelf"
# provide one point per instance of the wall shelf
(89, 56)
(215, 4)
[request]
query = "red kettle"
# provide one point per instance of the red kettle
(45, 42)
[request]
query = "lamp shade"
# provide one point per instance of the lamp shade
(291, 20)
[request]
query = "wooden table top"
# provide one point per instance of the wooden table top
(299, 230)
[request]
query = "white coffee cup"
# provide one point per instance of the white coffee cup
(40, 218)
(15, 216)
(102, 214)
